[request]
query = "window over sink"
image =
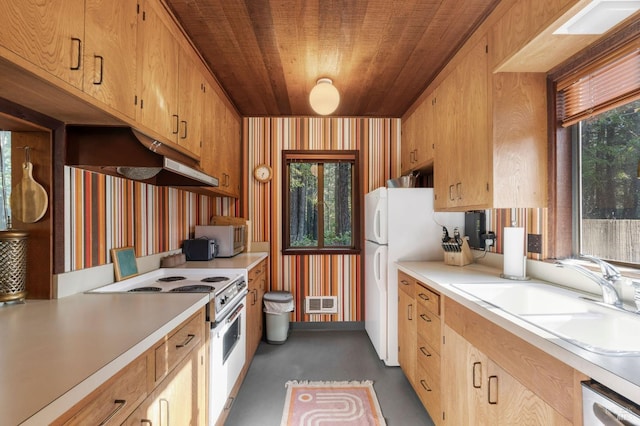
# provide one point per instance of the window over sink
(600, 106)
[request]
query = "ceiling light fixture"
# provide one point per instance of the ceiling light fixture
(324, 97)
(599, 16)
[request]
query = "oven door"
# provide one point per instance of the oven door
(228, 355)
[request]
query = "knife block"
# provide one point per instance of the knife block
(459, 258)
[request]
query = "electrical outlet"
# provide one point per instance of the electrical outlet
(534, 243)
(488, 239)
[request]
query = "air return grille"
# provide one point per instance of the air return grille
(321, 305)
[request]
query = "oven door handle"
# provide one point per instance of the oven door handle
(235, 313)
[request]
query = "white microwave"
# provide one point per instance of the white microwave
(230, 239)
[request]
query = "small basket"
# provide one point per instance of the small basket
(13, 265)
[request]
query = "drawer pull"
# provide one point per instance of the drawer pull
(404, 282)
(479, 385)
(424, 351)
(120, 403)
(495, 400)
(146, 422)
(425, 317)
(186, 341)
(424, 385)
(423, 296)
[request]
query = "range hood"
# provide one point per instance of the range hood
(125, 152)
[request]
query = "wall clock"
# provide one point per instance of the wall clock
(262, 173)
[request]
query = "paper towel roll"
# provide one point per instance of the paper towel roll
(514, 258)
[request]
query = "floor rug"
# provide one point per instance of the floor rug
(331, 404)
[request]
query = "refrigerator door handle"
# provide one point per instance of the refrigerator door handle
(376, 224)
(377, 266)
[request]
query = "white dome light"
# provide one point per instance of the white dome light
(324, 97)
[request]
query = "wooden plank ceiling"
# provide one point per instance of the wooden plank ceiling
(380, 54)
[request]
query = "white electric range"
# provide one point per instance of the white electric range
(225, 312)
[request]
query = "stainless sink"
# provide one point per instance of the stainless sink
(565, 314)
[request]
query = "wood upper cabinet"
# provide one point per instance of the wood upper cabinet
(221, 153)
(417, 141)
(491, 150)
(191, 87)
(462, 162)
(110, 53)
(49, 34)
(158, 56)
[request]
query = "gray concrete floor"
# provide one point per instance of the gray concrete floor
(322, 355)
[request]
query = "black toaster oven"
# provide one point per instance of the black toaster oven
(199, 249)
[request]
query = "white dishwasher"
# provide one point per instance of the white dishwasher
(603, 407)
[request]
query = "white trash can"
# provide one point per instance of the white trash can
(277, 305)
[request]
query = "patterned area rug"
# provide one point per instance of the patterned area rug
(331, 404)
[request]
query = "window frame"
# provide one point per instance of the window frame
(322, 156)
(563, 196)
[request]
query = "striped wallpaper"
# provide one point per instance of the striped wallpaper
(534, 221)
(317, 275)
(105, 212)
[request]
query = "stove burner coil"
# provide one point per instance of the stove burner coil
(171, 279)
(196, 288)
(214, 279)
(133, 290)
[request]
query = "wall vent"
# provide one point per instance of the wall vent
(321, 305)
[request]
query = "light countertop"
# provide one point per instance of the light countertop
(55, 352)
(620, 373)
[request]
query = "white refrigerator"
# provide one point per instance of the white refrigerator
(400, 224)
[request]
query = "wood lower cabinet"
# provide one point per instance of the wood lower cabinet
(175, 400)
(407, 331)
(478, 391)
(496, 378)
(164, 386)
(258, 284)
(489, 376)
(428, 350)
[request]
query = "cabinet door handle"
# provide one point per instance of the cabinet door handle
(101, 69)
(79, 56)
(425, 317)
(146, 421)
(176, 127)
(255, 296)
(186, 341)
(451, 198)
(459, 190)
(409, 309)
(119, 403)
(423, 296)
(184, 127)
(168, 419)
(424, 351)
(424, 385)
(477, 384)
(493, 401)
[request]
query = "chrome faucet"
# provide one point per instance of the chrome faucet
(609, 272)
(610, 295)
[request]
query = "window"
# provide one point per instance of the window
(607, 164)
(599, 104)
(320, 202)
